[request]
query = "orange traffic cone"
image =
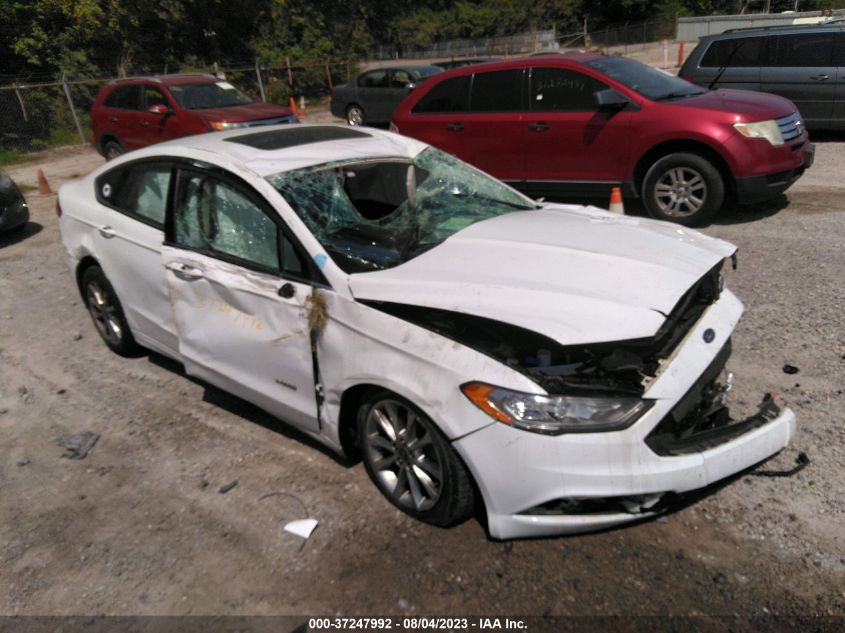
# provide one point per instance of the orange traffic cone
(293, 107)
(616, 205)
(43, 185)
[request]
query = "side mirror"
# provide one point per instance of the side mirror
(609, 99)
(159, 108)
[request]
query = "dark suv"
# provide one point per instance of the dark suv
(133, 113)
(805, 64)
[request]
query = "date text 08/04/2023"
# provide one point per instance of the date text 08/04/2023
(416, 623)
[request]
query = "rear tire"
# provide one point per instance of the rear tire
(106, 312)
(112, 149)
(354, 114)
(411, 462)
(683, 188)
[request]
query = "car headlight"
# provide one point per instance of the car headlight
(224, 125)
(555, 415)
(768, 130)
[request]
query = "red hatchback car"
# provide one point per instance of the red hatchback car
(133, 113)
(579, 123)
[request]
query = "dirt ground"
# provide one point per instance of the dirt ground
(140, 527)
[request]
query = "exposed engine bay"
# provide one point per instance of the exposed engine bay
(619, 367)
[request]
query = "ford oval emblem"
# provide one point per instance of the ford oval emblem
(709, 335)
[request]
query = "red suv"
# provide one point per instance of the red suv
(133, 113)
(579, 123)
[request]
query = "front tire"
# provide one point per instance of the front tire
(106, 312)
(683, 188)
(411, 462)
(355, 115)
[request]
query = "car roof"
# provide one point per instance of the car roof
(781, 28)
(520, 62)
(278, 148)
(169, 80)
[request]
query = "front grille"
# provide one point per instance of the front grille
(700, 420)
(791, 127)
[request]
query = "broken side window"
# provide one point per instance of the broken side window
(213, 216)
(376, 214)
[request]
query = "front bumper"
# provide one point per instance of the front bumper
(14, 215)
(519, 472)
(648, 478)
(751, 189)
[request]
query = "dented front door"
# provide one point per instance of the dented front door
(242, 326)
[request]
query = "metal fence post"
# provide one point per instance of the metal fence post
(260, 83)
(21, 101)
(72, 109)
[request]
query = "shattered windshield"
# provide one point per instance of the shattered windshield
(376, 214)
(202, 96)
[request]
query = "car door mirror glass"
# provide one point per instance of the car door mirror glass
(159, 108)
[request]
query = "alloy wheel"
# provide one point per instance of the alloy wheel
(680, 192)
(355, 116)
(103, 310)
(399, 448)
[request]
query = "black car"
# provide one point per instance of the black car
(13, 210)
(805, 64)
(373, 95)
(467, 61)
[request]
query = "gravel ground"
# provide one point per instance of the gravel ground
(139, 527)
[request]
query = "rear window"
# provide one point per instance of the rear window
(451, 95)
(802, 50)
(124, 97)
(741, 51)
(138, 190)
(499, 91)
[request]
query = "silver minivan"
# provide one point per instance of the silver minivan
(805, 64)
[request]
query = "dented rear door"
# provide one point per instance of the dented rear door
(242, 324)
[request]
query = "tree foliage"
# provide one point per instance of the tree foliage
(43, 37)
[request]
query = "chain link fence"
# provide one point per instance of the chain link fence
(35, 116)
(622, 35)
(38, 115)
(506, 45)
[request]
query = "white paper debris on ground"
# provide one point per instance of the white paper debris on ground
(302, 528)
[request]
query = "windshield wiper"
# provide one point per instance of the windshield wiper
(677, 95)
(724, 66)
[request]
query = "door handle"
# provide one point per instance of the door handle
(184, 271)
(112, 119)
(107, 232)
(287, 291)
(821, 77)
(540, 126)
(455, 127)
(143, 123)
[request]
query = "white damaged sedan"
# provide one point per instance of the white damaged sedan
(559, 365)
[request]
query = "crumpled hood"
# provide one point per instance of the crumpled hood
(575, 274)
